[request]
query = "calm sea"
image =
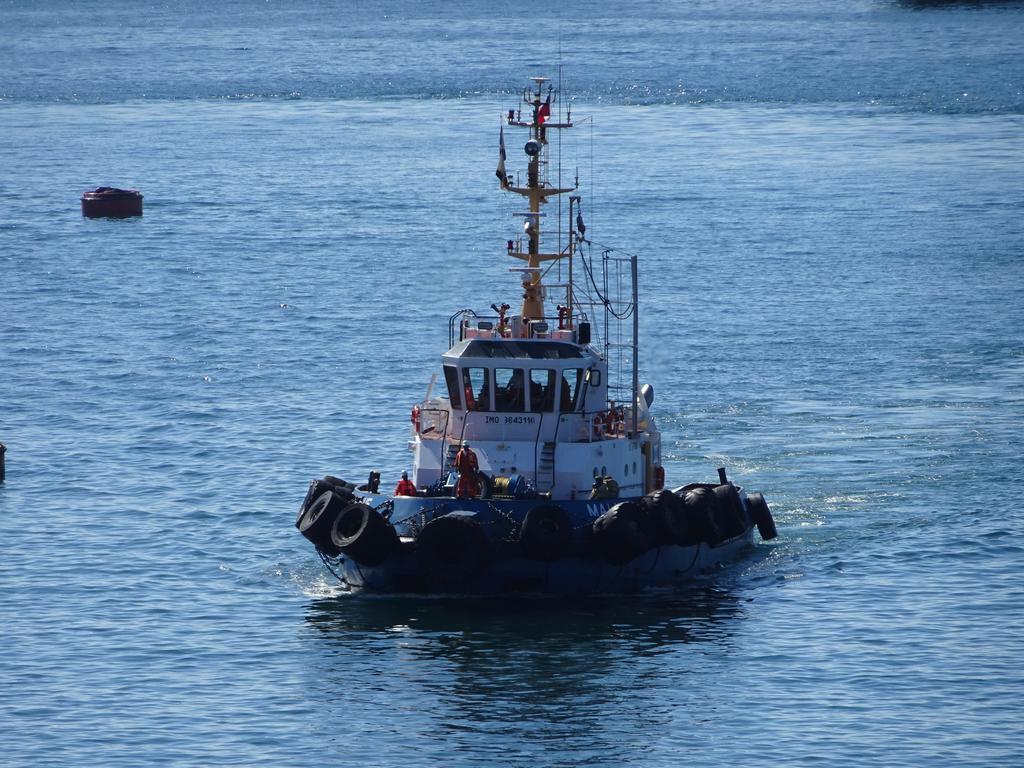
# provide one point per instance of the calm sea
(828, 204)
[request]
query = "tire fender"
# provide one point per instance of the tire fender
(363, 534)
(317, 520)
(669, 511)
(761, 515)
(451, 550)
(546, 532)
(700, 515)
(624, 532)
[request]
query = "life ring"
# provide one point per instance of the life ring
(546, 532)
(451, 550)
(761, 516)
(317, 520)
(624, 532)
(599, 425)
(363, 534)
(563, 315)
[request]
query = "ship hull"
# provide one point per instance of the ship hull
(663, 567)
(501, 566)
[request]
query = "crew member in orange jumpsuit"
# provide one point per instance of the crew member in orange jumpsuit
(405, 486)
(467, 466)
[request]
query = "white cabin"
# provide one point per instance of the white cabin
(540, 405)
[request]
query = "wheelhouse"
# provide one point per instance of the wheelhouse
(522, 376)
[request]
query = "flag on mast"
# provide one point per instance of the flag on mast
(500, 172)
(544, 113)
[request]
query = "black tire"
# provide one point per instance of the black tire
(730, 510)
(363, 534)
(484, 484)
(451, 550)
(346, 490)
(546, 533)
(670, 513)
(317, 521)
(761, 515)
(693, 486)
(701, 515)
(316, 488)
(624, 532)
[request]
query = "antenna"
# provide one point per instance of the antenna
(560, 93)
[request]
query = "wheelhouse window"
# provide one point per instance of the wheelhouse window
(451, 378)
(571, 379)
(509, 394)
(542, 390)
(476, 386)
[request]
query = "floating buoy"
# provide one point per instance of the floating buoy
(112, 203)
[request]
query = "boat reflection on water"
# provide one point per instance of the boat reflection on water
(573, 678)
(588, 680)
(649, 621)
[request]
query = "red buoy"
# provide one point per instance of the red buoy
(110, 202)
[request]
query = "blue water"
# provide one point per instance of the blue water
(828, 206)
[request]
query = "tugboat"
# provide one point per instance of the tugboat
(539, 468)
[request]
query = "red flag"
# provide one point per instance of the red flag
(544, 112)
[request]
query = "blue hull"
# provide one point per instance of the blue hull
(665, 566)
(580, 572)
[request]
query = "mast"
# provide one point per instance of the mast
(536, 192)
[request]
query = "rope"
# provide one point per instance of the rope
(696, 554)
(329, 566)
(422, 513)
(626, 313)
(386, 509)
(516, 525)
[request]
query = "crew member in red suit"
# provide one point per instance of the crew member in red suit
(405, 486)
(466, 464)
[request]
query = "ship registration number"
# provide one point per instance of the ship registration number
(511, 420)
